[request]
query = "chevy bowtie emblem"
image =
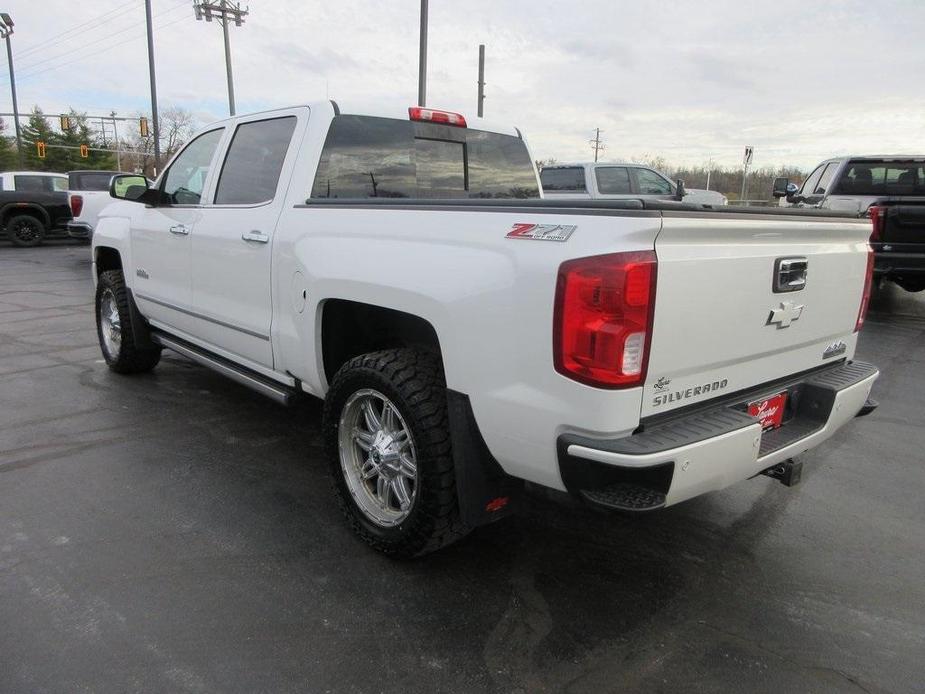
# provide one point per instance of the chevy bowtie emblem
(785, 315)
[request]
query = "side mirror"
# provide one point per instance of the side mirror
(782, 187)
(130, 187)
(681, 191)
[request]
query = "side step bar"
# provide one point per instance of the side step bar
(277, 392)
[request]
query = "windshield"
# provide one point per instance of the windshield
(872, 177)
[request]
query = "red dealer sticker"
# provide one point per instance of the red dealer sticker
(542, 232)
(770, 412)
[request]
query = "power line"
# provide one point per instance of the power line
(115, 12)
(98, 52)
(107, 37)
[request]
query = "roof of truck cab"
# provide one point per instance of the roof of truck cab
(878, 157)
(32, 173)
(398, 113)
(559, 165)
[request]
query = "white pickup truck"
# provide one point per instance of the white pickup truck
(467, 335)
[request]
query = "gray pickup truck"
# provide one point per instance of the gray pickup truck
(891, 190)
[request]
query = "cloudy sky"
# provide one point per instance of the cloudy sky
(687, 80)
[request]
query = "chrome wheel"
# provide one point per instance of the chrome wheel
(377, 457)
(110, 324)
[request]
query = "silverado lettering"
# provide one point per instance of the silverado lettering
(666, 398)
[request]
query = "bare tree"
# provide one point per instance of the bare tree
(177, 125)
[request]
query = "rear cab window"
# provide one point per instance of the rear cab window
(39, 184)
(90, 180)
(564, 179)
(373, 157)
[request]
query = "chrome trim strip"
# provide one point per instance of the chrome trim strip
(165, 304)
(279, 394)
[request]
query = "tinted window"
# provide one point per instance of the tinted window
(883, 178)
(564, 178)
(825, 180)
(254, 161)
(90, 180)
(651, 183)
(613, 180)
(34, 184)
(367, 157)
(186, 176)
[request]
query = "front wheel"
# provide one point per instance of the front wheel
(388, 443)
(114, 328)
(25, 230)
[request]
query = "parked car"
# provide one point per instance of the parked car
(33, 181)
(891, 189)
(88, 194)
(467, 336)
(28, 217)
(616, 181)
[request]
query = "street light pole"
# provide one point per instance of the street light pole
(6, 30)
(226, 11)
(481, 79)
(155, 131)
(422, 58)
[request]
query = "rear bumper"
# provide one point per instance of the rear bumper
(715, 446)
(79, 230)
(900, 263)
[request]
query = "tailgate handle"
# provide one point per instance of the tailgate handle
(790, 274)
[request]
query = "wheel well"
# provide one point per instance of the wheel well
(107, 259)
(15, 211)
(351, 328)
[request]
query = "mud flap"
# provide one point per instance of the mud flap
(140, 330)
(486, 493)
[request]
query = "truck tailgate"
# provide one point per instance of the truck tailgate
(721, 327)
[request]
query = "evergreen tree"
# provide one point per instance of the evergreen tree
(7, 149)
(39, 130)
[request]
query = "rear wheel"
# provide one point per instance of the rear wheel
(114, 328)
(388, 443)
(25, 230)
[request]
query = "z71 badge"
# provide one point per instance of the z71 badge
(542, 232)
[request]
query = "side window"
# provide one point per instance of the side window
(809, 185)
(570, 179)
(651, 183)
(825, 181)
(252, 166)
(186, 176)
(60, 183)
(613, 180)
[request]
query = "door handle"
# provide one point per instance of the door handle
(180, 230)
(255, 235)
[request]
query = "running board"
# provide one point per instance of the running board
(277, 392)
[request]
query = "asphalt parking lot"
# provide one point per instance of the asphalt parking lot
(175, 532)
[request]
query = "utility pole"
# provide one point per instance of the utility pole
(481, 79)
(115, 132)
(156, 130)
(226, 11)
(709, 171)
(6, 30)
(422, 58)
(596, 143)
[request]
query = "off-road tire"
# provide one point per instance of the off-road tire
(25, 231)
(413, 380)
(130, 358)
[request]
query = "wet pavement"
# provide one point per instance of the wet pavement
(176, 532)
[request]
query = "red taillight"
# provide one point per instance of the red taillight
(603, 318)
(77, 205)
(429, 115)
(865, 297)
(877, 216)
